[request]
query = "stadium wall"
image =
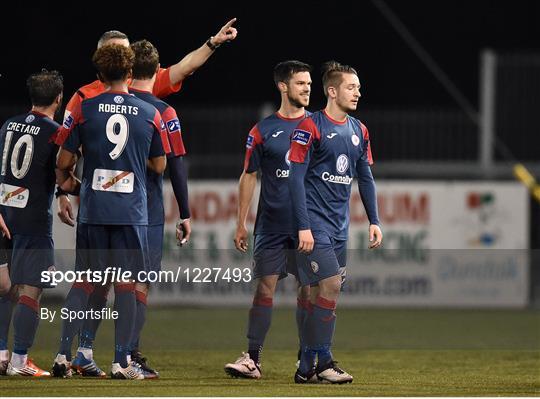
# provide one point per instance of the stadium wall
(462, 244)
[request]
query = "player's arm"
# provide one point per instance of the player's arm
(178, 175)
(368, 192)
(191, 62)
(157, 161)
(177, 172)
(246, 186)
(4, 229)
(301, 144)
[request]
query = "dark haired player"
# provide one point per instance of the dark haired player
(119, 136)
(327, 150)
(144, 73)
(267, 150)
(26, 193)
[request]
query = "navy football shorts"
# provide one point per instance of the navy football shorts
(273, 254)
(328, 258)
(120, 246)
(30, 256)
(155, 248)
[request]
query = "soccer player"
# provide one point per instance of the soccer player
(267, 150)
(119, 136)
(144, 74)
(327, 150)
(28, 180)
(167, 81)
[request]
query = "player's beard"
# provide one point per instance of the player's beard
(296, 102)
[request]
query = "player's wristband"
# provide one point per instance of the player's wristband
(213, 47)
(59, 192)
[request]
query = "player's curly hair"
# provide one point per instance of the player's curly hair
(44, 87)
(332, 74)
(146, 59)
(284, 71)
(113, 62)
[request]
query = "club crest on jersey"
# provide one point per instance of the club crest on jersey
(355, 140)
(68, 121)
(342, 164)
(173, 125)
(314, 266)
(249, 142)
(30, 119)
(301, 136)
(118, 99)
(287, 160)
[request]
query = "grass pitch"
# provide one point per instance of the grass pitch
(389, 352)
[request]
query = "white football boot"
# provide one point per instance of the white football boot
(331, 373)
(244, 367)
(129, 373)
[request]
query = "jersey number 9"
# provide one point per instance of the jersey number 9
(117, 123)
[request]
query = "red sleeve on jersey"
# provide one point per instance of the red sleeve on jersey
(301, 140)
(174, 132)
(73, 104)
(366, 139)
(71, 120)
(254, 139)
(160, 127)
(162, 85)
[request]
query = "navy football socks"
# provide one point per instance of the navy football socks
(25, 324)
(96, 302)
(260, 318)
(140, 318)
(77, 300)
(318, 333)
(124, 304)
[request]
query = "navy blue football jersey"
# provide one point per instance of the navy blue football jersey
(154, 182)
(267, 149)
(117, 132)
(27, 177)
(333, 151)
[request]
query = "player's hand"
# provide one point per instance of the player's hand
(183, 231)
(4, 228)
(71, 184)
(375, 236)
(65, 211)
(241, 238)
(227, 33)
(306, 241)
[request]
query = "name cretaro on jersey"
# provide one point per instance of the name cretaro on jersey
(267, 149)
(156, 211)
(333, 151)
(27, 176)
(117, 132)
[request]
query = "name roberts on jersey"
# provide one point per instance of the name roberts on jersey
(118, 109)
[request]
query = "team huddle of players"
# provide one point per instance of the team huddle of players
(126, 136)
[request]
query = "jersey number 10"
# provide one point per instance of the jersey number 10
(17, 172)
